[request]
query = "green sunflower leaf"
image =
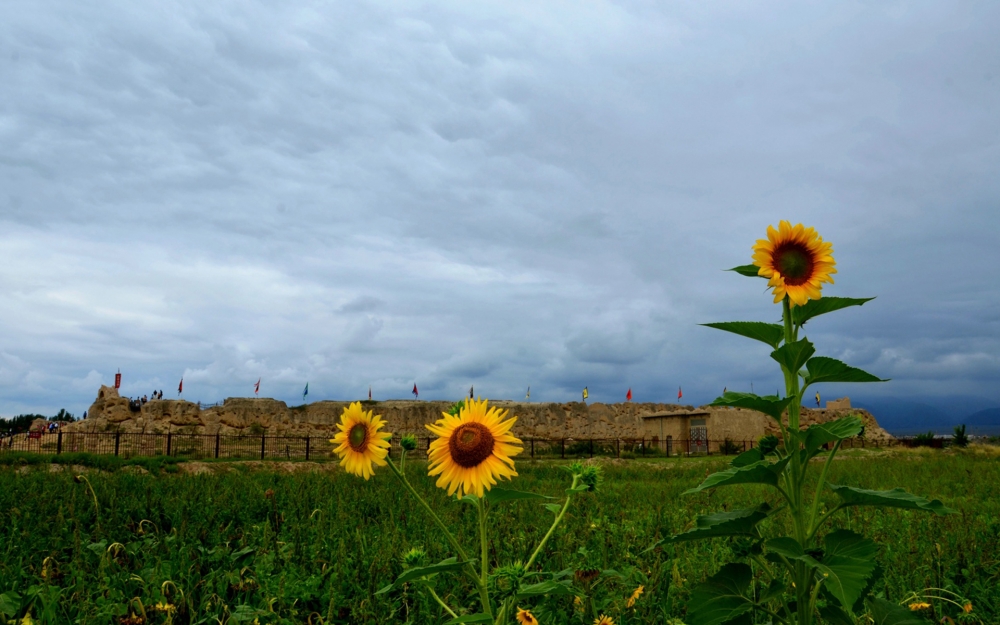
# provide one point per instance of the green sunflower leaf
(547, 587)
(770, 405)
(820, 434)
(770, 333)
(773, 591)
(848, 562)
(792, 356)
(498, 495)
(823, 369)
(749, 271)
(895, 498)
(835, 616)
(823, 305)
(721, 598)
(554, 508)
(734, 523)
(756, 473)
(10, 603)
(887, 613)
(451, 564)
(470, 618)
(747, 458)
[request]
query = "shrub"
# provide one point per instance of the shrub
(960, 439)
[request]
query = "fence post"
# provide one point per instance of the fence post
(618, 448)
(591, 448)
(563, 452)
(744, 445)
(118, 438)
(170, 436)
(307, 448)
(642, 444)
(216, 444)
(263, 442)
(59, 443)
(532, 449)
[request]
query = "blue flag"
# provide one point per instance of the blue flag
(305, 392)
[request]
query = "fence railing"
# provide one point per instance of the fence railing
(203, 446)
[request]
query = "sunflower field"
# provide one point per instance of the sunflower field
(308, 543)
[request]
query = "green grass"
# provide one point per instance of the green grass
(325, 542)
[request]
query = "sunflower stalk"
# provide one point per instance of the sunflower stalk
(484, 597)
(803, 568)
(555, 523)
(440, 601)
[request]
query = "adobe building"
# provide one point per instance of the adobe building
(687, 430)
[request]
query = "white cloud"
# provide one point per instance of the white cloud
(503, 193)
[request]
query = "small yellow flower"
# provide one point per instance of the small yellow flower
(919, 605)
(27, 620)
(359, 442)
(165, 607)
(635, 595)
(967, 607)
(604, 620)
(525, 617)
(578, 601)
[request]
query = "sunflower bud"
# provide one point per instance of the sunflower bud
(414, 557)
(408, 442)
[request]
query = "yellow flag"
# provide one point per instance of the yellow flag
(585, 393)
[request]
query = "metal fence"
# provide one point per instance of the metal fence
(202, 446)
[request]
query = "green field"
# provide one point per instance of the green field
(239, 542)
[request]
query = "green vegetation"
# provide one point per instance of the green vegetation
(93, 461)
(299, 547)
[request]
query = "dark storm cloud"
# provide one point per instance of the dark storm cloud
(506, 194)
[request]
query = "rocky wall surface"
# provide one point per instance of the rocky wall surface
(236, 416)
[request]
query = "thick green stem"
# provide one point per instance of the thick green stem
(483, 543)
(484, 597)
(819, 487)
(796, 482)
(555, 523)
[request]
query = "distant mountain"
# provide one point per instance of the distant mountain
(902, 417)
(984, 422)
(938, 414)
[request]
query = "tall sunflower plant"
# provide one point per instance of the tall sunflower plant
(474, 449)
(818, 573)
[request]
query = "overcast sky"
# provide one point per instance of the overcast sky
(501, 194)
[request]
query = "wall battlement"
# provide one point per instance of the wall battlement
(244, 415)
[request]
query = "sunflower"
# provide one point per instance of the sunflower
(635, 595)
(360, 444)
(525, 617)
(919, 605)
(473, 449)
(604, 620)
(796, 260)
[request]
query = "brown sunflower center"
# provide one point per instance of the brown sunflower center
(357, 437)
(470, 444)
(794, 262)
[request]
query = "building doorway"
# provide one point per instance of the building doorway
(698, 436)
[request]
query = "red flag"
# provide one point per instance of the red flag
(118, 379)
(628, 397)
(679, 393)
(180, 387)
(256, 387)
(415, 392)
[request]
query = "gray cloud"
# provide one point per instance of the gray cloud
(499, 194)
